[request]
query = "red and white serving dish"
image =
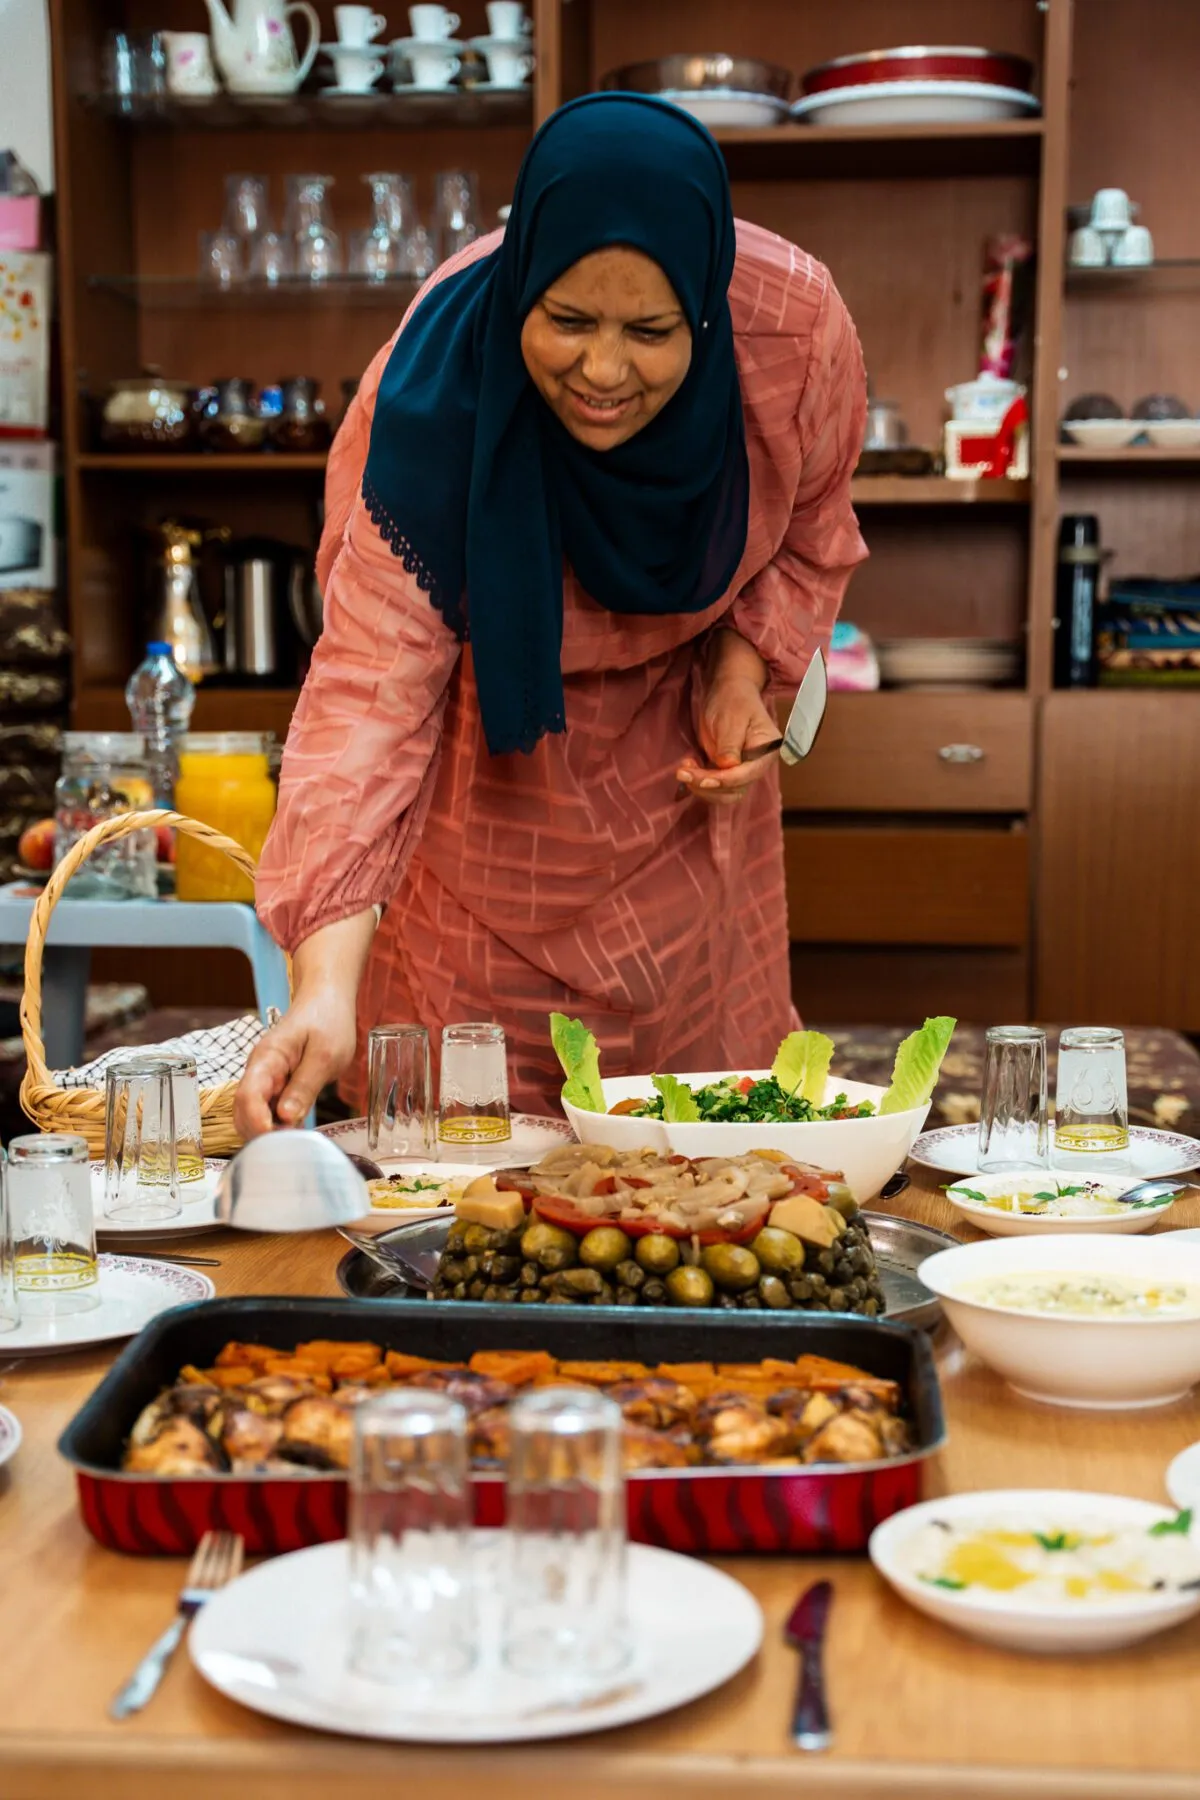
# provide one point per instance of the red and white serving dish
(922, 62)
(914, 103)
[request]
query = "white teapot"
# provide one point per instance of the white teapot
(255, 49)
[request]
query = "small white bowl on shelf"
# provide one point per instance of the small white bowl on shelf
(1173, 434)
(1103, 434)
(1128, 1222)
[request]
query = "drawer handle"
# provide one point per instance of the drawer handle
(961, 753)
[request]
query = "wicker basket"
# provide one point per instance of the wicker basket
(81, 1110)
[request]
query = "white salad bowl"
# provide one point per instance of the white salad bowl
(1006, 1224)
(867, 1152)
(1010, 1619)
(1065, 1359)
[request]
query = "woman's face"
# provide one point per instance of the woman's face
(607, 346)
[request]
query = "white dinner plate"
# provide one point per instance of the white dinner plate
(915, 103)
(532, 1137)
(276, 1641)
(955, 1148)
(10, 1433)
(197, 1219)
(728, 107)
(1127, 1223)
(133, 1291)
(457, 1173)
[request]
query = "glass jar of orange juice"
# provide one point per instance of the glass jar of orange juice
(225, 782)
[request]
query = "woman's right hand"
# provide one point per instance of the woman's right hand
(311, 1045)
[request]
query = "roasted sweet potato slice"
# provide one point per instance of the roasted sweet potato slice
(517, 1367)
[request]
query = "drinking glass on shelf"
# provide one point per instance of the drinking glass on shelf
(413, 1614)
(473, 1100)
(374, 256)
(1092, 1102)
(246, 205)
(220, 258)
(456, 211)
(270, 258)
(53, 1224)
(189, 1137)
(10, 1310)
(1013, 1128)
(399, 1092)
(418, 258)
(133, 71)
(564, 1602)
(316, 245)
(141, 1173)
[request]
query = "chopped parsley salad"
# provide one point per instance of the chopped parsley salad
(793, 1093)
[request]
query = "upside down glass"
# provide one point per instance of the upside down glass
(10, 1310)
(473, 1100)
(189, 1137)
(412, 1584)
(565, 1614)
(1013, 1128)
(1092, 1110)
(53, 1224)
(141, 1171)
(400, 1118)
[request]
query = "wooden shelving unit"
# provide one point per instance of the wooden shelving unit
(937, 490)
(1133, 457)
(169, 467)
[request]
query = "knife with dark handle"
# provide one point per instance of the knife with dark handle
(805, 1632)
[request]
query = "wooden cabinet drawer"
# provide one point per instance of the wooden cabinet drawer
(918, 753)
(906, 885)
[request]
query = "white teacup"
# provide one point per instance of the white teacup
(1134, 249)
(433, 23)
(190, 69)
(1087, 249)
(433, 65)
(1111, 210)
(358, 25)
(354, 71)
(507, 66)
(507, 19)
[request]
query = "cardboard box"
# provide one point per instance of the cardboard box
(24, 343)
(20, 221)
(28, 545)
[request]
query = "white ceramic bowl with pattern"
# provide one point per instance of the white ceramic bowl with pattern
(867, 1152)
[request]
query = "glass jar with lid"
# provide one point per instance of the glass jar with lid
(225, 781)
(105, 774)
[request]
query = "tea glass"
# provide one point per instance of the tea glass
(10, 1309)
(456, 210)
(52, 1221)
(134, 71)
(400, 1118)
(246, 205)
(141, 1172)
(221, 258)
(189, 1135)
(270, 259)
(1092, 1110)
(316, 245)
(473, 1100)
(565, 1610)
(413, 1612)
(1013, 1126)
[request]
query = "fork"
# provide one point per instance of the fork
(218, 1560)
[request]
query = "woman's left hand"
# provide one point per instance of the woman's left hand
(733, 720)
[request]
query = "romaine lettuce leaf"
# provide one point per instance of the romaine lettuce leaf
(918, 1061)
(579, 1054)
(679, 1103)
(801, 1065)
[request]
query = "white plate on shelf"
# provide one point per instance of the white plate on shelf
(532, 1137)
(955, 1148)
(197, 1219)
(915, 103)
(10, 1433)
(276, 1641)
(1102, 434)
(728, 107)
(133, 1290)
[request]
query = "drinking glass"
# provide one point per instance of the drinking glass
(399, 1092)
(473, 1102)
(10, 1310)
(270, 259)
(456, 211)
(246, 205)
(53, 1224)
(564, 1612)
(412, 1588)
(141, 1172)
(189, 1137)
(220, 258)
(374, 256)
(419, 256)
(133, 71)
(1013, 1129)
(316, 245)
(1092, 1110)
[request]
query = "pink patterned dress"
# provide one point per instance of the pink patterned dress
(573, 879)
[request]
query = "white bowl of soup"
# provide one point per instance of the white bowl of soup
(1099, 1321)
(865, 1152)
(1045, 1200)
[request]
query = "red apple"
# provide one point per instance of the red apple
(35, 848)
(166, 843)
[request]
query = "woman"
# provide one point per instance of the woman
(587, 521)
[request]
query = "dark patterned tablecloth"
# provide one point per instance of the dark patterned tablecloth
(1163, 1068)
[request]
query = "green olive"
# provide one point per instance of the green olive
(549, 1245)
(842, 1200)
(779, 1252)
(689, 1286)
(657, 1253)
(476, 1239)
(732, 1266)
(603, 1248)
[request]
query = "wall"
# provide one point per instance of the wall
(25, 123)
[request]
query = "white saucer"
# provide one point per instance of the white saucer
(1183, 1479)
(498, 87)
(729, 107)
(354, 49)
(404, 45)
(333, 92)
(955, 1148)
(197, 1219)
(10, 1433)
(484, 44)
(532, 1137)
(132, 1292)
(276, 1641)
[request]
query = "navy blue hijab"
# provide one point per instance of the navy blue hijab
(481, 490)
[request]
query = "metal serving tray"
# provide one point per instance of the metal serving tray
(822, 1508)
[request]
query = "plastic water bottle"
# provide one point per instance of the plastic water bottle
(160, 699)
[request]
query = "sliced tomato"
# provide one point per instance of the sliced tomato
(805, 1184)
(745, 1084)
(558, 1209)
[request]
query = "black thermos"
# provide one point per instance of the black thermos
(1076, 594)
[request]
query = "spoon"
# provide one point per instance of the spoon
(291, 1181)
(1145, 1191)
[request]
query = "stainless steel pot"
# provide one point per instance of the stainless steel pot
(702, 72)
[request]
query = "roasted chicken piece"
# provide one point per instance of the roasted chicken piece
(317, 1431)
(654, 1401)
(189, 1400)
(177, 1448)
(273, 1394)
(476, 1392)
(851, 1437)
(737, 1430)
(805, 1412)
(248, 1438)
(647, 1449)
(490, 1437)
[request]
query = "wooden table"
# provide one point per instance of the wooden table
(918, 1710)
